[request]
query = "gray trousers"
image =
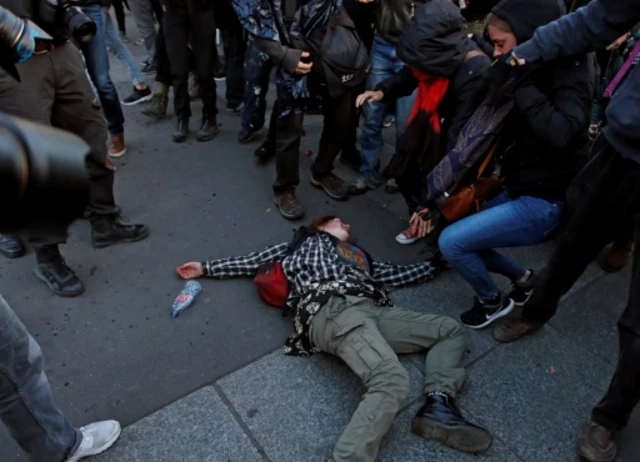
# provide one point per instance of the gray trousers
(26, 405)
(367, 338)
(143, 15)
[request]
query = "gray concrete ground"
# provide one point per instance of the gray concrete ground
(213, 386)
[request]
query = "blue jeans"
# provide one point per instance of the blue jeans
(115, 45)
(26, 405)
(257, 70)
(384, 64)
(97, 59)
(504, 222)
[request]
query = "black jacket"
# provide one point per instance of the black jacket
(463, 96)
(391, 16)
(545, 136)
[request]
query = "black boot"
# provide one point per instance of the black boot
(440, 419)
(54, 272)
(208, 128)
(108, 230)
(11, 246)
(182, 131)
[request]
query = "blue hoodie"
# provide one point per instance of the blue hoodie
(593, 27)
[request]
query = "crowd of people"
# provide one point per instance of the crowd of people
(516, 123)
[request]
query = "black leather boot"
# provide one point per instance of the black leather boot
(208, 128)
(182, 130)
(108, 230)
(440, 419)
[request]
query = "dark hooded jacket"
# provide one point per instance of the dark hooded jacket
(545, 137)
(391, 17)
(437, 43)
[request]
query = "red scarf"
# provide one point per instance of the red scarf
(419, 148)
(431, 91)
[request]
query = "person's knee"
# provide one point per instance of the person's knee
(392, 379)
(450, 328)
(449, 244)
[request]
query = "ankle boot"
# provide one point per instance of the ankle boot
(440, 419)
(182, 131)
(208, 128)
(108, 230)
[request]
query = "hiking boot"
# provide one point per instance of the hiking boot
(96, 438)
(245, 135)
(521, 291)
(484, 313)
(391, 187)
(359, 186)
(597, 444)
(614, 259)
(208, 129)
(53, 270)
(513, 329)
(108, 230)
(289, 206)
(157, 106)
(11, 246)
(181, 132)
(266, 151)
(138, 96)
(332, 185)
(117, 148)
(440, 419)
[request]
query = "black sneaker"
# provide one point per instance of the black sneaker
(106, 231)
(148, 68)
(11, 246)
(181, 132)
(208, 129)
(54, 272)
(266, 151)
(138, 96)
(521, 291)
(246, 135)
(440, 419)
(484, 313)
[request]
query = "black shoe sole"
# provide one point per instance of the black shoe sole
(102, 244)
(179, 139)
(318, 184)
(466, 439)
(248, 139)
(59, 293)
(288, 216)
(138, 101)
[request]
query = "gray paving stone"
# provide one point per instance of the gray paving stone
(197, 428)
(298, 407)
(400, 445)
(536, 394)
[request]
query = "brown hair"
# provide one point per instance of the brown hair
(496, 21)
(321, 221)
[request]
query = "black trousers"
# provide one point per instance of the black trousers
(235, 46)
(600, 202)
(288, 132)
(185, 22)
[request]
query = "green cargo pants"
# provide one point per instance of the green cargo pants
(367, 338)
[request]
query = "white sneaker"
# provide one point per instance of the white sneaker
(406, 238)
(96, 438)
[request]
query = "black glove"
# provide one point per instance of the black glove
(498, 74)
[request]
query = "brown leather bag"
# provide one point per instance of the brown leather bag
(470, 198)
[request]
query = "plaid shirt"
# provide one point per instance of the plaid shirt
(316, 272)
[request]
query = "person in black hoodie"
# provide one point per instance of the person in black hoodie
(543, 146)
(437, 52)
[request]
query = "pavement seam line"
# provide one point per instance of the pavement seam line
(238, 418)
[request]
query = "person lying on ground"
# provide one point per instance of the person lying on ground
(341, 307)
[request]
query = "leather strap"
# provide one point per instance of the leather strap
(485, 162)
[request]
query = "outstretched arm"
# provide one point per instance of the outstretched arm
(589, 28)
(230, 267)
(392, 275)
